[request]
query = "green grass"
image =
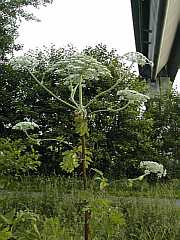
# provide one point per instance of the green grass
(52, 209)
(63, 185)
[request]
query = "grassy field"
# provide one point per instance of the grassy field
(52, 209)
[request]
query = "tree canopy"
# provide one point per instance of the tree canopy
(11, 14)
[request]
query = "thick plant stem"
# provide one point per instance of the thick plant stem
(83, 159)
(80, 93)
(87, 217)
(87, 213)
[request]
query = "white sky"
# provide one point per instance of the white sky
(176, 83)
(81, 23)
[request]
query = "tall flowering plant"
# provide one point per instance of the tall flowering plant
(76, 71)
(153, 167)
(149, 168)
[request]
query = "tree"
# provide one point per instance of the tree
(11, 13)
(23, 99)
(164, 110)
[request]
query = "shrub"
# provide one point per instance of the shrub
(17, 158)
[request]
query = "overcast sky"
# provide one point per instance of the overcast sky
(81, 23)
(176, 83)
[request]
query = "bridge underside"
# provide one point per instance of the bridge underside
(157, 36)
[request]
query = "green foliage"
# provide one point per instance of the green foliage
(52, 229)
(70, 160)
(6, 222)
(150, 220)
(26, 224)
(89, 83)
(24, 99)
(87, 157)
(12, 12)
(103, 181)
(77, 71)
(81, 124)
(5, 233)
(57, 205)
(16, 158)
(106, 220)
(116, 139)
(164, 110)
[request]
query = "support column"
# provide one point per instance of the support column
(164, 83)
(160, 85)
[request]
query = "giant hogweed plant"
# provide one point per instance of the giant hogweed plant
(76, 71)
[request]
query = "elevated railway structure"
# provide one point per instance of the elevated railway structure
(157, 36)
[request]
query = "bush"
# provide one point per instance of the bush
(17, 158)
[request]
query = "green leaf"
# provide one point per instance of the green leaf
(117, 218)
(70, 161)
(81, 125)
(5, 233)
(103, 184)
(88, 160)
(101, 203)
(130, 183)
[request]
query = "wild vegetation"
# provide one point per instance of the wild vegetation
(75, 129)
(53, 209)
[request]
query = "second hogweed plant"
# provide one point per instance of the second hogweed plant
(76, 71)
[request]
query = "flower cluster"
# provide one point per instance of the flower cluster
(24, 126)
(24, 62)
(136, 57)
(153, 167)
(80, 65)
(132, 95)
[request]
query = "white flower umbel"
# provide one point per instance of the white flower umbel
(24, 62)
(80, 66)
(133, 95)
(136, 57)
(153, 167)
(24, 126)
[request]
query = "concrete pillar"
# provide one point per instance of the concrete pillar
(160, 85)
(164, 83)
(153, 88)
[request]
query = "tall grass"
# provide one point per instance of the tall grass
(148, 213)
